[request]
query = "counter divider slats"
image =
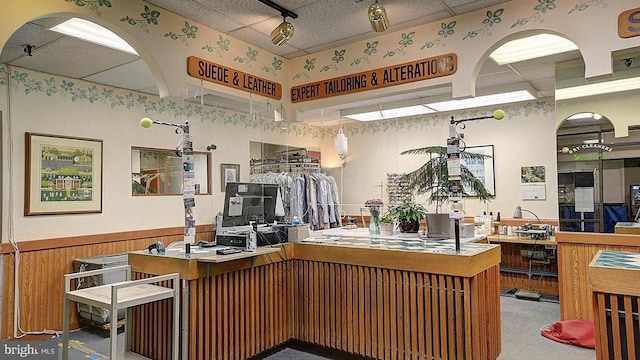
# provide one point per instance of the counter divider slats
(381, 304)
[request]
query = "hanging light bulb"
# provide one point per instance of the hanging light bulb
(340, 142)
(378, 17)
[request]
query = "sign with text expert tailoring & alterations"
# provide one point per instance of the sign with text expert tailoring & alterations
(424, 69)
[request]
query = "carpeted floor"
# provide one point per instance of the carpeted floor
(521, 339)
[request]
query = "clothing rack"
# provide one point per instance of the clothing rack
(311, 197)
(287, 161)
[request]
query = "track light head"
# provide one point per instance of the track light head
(282, 33)
(378, 17)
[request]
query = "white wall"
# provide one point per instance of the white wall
(47, 104)
(525, 137)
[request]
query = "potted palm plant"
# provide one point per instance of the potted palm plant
(433, 178)
(408, 214)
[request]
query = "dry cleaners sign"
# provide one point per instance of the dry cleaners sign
(424, 69)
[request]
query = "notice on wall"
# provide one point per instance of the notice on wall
(584, 199)
(533, 191)
(532, 183)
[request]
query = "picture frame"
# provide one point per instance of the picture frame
(481, 168)
(63, 175)
(229, 173)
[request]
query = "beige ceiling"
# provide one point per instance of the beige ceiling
(321, 25)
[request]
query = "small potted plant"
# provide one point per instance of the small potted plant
(387, 224)
(409, 214)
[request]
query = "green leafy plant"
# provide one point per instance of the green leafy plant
(408, 214)
(387, 218)
(433, 176)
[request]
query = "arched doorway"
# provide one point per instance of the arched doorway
(598, 174)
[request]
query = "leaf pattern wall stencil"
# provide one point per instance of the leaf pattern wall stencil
(445, 31)
(187, 32)
(221, 45)
(94, 5)
(147, 17)
(405, 41)
(337, 58)
(371, 48)
(586, 4)
(492, 18)
(538, 16)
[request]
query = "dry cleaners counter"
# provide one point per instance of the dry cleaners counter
(383, 298)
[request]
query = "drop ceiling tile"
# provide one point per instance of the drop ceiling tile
(134, 75)
(74, 58)
(30, 33)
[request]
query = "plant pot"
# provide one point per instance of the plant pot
(409, 226)
(386, 229)
(438, 226)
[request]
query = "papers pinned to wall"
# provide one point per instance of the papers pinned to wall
(532, 183)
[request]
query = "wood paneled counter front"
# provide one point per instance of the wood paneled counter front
(375, 297)
(575, 253)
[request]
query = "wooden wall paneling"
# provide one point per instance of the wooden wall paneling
(459, 318)
(386, 309)
(351, 319)
(367, 310)
(380, 313)
(428, 307)
(318, 302)
(600, 323)
(420, 314)
(573, 271)
(398, 321)
(442, 313)
(331, 313)
(615, 327)
(629, 329)
(43, 264)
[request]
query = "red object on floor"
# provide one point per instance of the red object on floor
(574, 332)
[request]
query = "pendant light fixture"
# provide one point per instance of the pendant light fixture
(284, 31)
(378, 17)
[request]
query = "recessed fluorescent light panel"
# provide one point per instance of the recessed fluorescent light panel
(93, 33)
(531, 47)
(391, 113)
(479, 101)
(598, 89)
(585, 116)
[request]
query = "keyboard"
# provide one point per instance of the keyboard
(228, 251)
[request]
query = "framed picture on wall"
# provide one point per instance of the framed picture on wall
(229, 173)
(63, 175)
(482, 169)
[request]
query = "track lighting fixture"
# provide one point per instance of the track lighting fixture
(378, 17)
(282, 33)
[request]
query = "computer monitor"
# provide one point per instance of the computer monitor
(249, 202)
